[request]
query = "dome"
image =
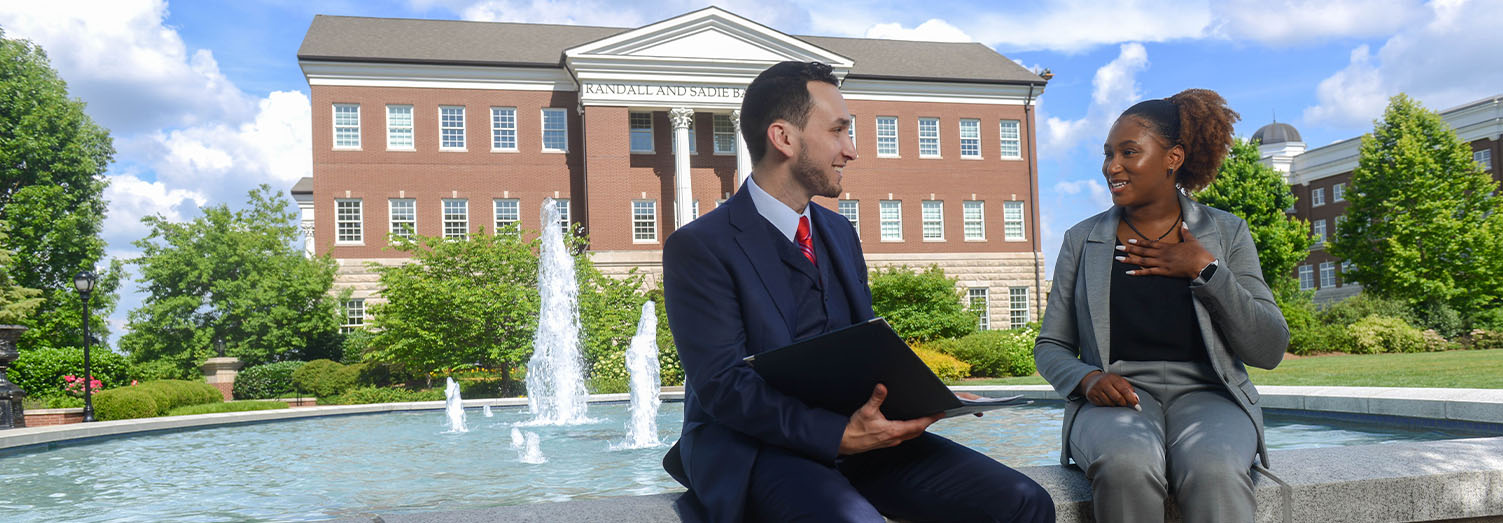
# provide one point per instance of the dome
(1276, 133)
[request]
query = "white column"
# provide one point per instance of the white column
(684, 202)
(743, 158)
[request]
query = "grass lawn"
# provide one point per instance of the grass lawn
(1476, 369)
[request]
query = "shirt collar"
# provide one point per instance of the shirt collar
(779, 214)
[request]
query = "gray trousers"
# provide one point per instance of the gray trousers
(1190, 440)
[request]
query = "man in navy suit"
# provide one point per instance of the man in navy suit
(766, 269)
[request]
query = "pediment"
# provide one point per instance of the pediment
(707, 35)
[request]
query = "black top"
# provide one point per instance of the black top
(1153, 318)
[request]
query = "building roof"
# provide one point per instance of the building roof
(304, 185)
(400, 40)
(1276, 132)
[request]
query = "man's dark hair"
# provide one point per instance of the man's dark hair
(779, 93)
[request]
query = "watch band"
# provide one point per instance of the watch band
(1206, 272)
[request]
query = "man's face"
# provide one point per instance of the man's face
(824, 143)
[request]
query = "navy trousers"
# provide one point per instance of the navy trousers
(928, 478)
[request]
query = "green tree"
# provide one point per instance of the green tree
(1424, 224)
(52, 163)
(16, 302)
(233, 276)
(921, 306)
(1257, 193)
(459, 303)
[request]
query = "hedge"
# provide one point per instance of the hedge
(945, 366)
(325, 378)
(366, 395)
(152, 398)
(992, 354)
(40, 372)
(266, 381)
(230, 406)
(1375, 334)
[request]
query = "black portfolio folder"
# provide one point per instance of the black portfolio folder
(837, 371)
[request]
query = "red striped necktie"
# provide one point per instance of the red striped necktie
(802, 237)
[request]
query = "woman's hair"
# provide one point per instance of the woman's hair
(1197, 120)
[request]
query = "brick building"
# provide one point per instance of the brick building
(447, 127)
(1321, 176)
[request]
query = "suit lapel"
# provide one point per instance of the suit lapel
(1097, 266)
(756, 244)
(843, 262)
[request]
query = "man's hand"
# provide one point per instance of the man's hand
(870, 430)
(1108, 390)
(969, 396)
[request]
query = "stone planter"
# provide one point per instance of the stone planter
(12, 414)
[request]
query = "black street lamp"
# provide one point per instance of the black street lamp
(84, 282)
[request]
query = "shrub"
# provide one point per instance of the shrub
(354, 345)
(1375, 334)
(1488, 319)
(921, 306)
(1350, 310)
(1487, 339)
(366, 395)
(159, 370)
(1305, 328)
(265, 381)
(325, 378)
(152, 398)
(233, 406)
(126, 403)
(40, 372)
(992, 353)
(1434, 342)
(945, 366)
(608, 384)
(1441, 318)
(471, 388)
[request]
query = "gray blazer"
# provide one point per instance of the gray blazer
(1239, 319)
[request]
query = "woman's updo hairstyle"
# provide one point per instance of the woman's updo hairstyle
(1199, 121)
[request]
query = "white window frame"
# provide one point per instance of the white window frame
(1010, 139)
(346, 127)
(632, 132)
(890, 213)
(500, 131)
(1014, 219)
(644, 221)
(973, 219)
(543, 129)
(443, 127)
(925, 125)
(932, 214)
(354, 315)
(694, 212)
(1018, 313)
(1327, 274)
(1483, 158)
(888, 135)
(448, 225)
(563, 215)
(395, 225)
(983, 294)
(1338, 192)
(393, 128)
(723, 135)
(496, 212)
(850, 132)
(342, 219)
(1306, 278)
(1318, 230)
(851, 210)
(1317, 196)
(971, 126)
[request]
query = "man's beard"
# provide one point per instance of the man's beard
(812, 178)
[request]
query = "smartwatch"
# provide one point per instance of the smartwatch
(1206, 273)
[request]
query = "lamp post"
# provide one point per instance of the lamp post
(84, 282)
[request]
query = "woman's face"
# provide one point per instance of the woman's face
(1136, 164)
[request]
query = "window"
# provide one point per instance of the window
(354, 315)
(456, 218)
(503, 128)
(644, 220)
(973, 216)
(1484, 159)
(347, 222)
(403, 217)
(346, 126)
(1012, 221)
(1012, 148)
(1336, 228)
(1327, 274)
(725, 134)
(1317, 196)
(890, 218)
(887, 136)
(980, 301)
(555, 131)
(1017, 306)
(934, 219)
(508, 212)
(970, 138)
(851, 210)
(695, 212)
(850, 131)
(641, 132)
(1320, 232)
(399, 127)
(1346, 266)
(563, 214)
(1338, 192)
(928, 129)
(1306, 278)
(451, 128)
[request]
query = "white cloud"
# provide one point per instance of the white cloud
(1113, 88)
(933, 30)
(1292, 22)
(224, 161)
(131, 198)
(1076, 25)
(783, 15)
(1444, 59)
(134, 71)
(1095, 191)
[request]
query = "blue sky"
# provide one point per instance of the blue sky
(205, 99)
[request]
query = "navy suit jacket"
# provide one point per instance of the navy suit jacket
(728, 296)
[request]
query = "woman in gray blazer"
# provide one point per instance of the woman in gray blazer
(1157, 303)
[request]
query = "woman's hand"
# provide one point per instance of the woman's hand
(1183, 260)
(1105, 389)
